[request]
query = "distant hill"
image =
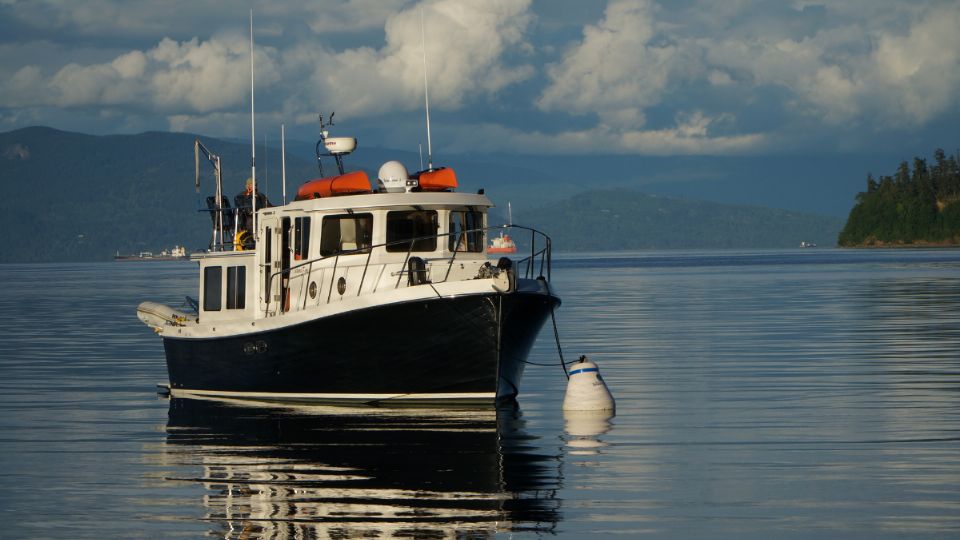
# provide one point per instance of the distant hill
(69, 196)
(74, 197)
(621, 219)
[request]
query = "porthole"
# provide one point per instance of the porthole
(313, 289)
(341, 286)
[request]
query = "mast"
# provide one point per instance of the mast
(283, 162)
(253, 139)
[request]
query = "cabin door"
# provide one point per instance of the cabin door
(283, 260)
(271, 265)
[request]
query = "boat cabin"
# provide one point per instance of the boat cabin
(321, 250)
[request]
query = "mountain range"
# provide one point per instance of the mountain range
(77, 197)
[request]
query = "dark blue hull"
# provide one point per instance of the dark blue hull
(460, 349)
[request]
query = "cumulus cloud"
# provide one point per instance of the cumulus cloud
(623, 65)
(466, 42)
(633, 75)
(191, 76)
(616, 70)
(849, 66)
(885, 70)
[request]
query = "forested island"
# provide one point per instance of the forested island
(918, 206)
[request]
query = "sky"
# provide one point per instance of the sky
(629, 77)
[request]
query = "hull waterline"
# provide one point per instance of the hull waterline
(461, 350)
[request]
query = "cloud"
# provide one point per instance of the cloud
(625, 64)
(192, 76)
(628, 76)
(918, 73)
(466, 42)
(616, 69)
(348, 15)
(689, 134)
(864, 70)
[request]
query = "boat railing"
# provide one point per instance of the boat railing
(535, 263)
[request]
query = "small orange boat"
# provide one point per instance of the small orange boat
(346, 184)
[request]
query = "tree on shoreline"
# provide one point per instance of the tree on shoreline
(918, 206)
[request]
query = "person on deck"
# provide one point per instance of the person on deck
(244, 208)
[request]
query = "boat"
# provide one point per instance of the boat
(503, 243)
(808, 245)
(177, 253)
(358, 294)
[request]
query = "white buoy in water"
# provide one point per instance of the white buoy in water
(586, 390)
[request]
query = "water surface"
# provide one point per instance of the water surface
(807, 393)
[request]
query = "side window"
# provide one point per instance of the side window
(267, 245)
(465, 231)
(412, 230)
(236, 287)
(212, 280)
(301, 238)
(346, 233)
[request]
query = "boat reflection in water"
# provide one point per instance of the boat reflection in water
(323, 472)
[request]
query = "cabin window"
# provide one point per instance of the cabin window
(465, 230)
(212, 281)
(412, 230)
(301, 238)
(267, 245)
(346, 233)
(236, 287)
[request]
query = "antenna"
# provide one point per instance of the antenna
(253, 138)
(426, 93)
(266, 167)
(214, 160)
(283, 162)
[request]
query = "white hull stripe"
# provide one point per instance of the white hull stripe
(293, 396)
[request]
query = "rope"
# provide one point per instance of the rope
(556, 336)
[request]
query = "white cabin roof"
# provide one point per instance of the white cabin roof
(385, 200)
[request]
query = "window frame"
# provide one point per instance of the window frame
(363, 227)
(405, 242)
(236, 287)
(212, 275)
(301, 238)
(469, 220)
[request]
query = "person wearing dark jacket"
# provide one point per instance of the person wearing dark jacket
(244, 208)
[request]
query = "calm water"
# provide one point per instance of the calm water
(795, 394)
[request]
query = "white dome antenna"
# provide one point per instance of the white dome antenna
(394, 178)
(335, 147)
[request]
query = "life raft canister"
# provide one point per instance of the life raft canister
(346, 184)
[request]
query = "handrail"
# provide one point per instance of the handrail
(543, 255)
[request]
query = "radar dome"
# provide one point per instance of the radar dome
(393, 178)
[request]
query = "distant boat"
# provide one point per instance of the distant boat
(178, 253)
(807, 244)
(503, 243)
